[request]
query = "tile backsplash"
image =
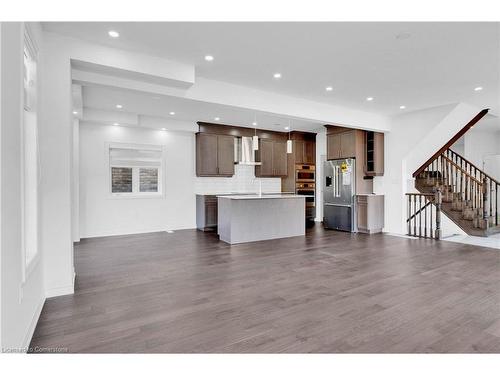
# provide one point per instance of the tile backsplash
(243, 181)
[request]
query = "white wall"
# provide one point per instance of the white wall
(21, 300)
(320, 158)
(483, 146)
(1, 185)
(103, 215)
(407, 132)
(56, 140)
(75, 182)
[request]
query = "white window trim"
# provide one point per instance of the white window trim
(27, 266)
(136, 195)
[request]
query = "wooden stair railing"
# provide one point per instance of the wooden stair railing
(448, 144)
(490, 185)
(469, 189)
(465, 187)
(424, 215)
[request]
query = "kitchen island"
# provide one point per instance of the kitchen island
(247, 218)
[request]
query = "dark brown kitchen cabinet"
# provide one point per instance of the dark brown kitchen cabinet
(298, 151)
(225, 155)
(214, 155)
(309, 152)
(333, 146)
(304, 152)
(348, 144)
(279, 158)
(341, 145)
(374, 153)
(272, 154)
(265, 156)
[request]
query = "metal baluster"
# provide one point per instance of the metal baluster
(438, 214)
(415, 217)
(456, 173)
(496, 204)
(425, 218)
(485, 202)
(461, 185)
(420, 216)
(490, 196)
(432, 227)
(409, 214)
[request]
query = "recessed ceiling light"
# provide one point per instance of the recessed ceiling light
(402, 107)
(287, 128)
(116, 124)
(254, 123)
(163, 129)
(119, 106)
(217, 118)
(328, 88)
(75, 112)
(479, 88)
(113, 34)
(369, 98)
(277, 75)
(209, 58)
(172, 113)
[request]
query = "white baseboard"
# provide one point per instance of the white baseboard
(32, 326)
(127, 233)
(60, 291)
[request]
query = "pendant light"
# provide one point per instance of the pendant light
(289, 146)
(255, 138)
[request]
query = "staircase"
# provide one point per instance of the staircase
(450, 184)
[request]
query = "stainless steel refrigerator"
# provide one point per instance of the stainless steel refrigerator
(339, 179)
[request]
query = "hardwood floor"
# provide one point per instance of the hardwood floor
(326, 292)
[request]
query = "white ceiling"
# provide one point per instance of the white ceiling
(439, 63)
(140, 103)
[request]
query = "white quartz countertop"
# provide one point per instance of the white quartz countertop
(263, 196)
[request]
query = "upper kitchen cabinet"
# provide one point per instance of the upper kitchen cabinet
(374, 153)
(214, 155)
(342, 145)
(309, 152)
(304, 151)
(298, 151)
(273, 157)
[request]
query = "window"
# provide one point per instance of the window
(30, 154)
(135, 170)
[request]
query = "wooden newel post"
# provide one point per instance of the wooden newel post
(485, 203)
(439, 200)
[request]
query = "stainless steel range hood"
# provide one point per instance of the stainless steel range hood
(243, 151)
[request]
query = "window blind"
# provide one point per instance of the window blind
(133, 157)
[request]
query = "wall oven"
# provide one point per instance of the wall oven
(305, 184)
(308, 192)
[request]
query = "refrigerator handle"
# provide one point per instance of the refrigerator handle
(334, 180)
(338, 181)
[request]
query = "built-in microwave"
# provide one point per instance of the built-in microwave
(305, 173)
